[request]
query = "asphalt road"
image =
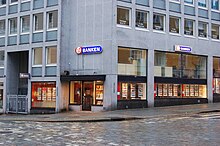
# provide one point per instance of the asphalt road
(198, 130)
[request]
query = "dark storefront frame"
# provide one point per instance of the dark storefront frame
(216, 76)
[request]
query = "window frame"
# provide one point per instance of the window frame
(34, 21)
(207, 28)
(218, 32)
(142, 11)
(206, 5)
(13, 3)
(9, 26)
(193, 28)
(188, 4)
(130, 17)
(179, 18)
(215, 10)
(4, 28)
(3, 5)
(51, 29)
(50, 64)
(164, 23)
(21, 24)
(33, 57)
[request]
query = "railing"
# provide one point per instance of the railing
(17, 104)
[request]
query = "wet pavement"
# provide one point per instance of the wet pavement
(169, 126)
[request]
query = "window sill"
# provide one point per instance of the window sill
(39, 31)
(11, 35)
(175, 34)
(159, 31)
(201, 38)
(204, 8)
(2, 36)
(141, 29)
(15, 3)
(52, 29)
(215, 40)
(25, 33)
(25, 1)
(190, 36)
(123, 26)
(37, 66)
(191, 5)
(51, 65)
(3, 6)
(175, 1)
(213, 10)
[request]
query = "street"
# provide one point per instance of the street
(200, 129)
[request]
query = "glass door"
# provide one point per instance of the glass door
(87, 96)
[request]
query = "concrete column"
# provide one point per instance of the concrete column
(150, 78)
(210, 78)
(110, 93)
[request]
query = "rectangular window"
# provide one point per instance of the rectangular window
(52, 20)
(215, 4)
(202, 3)
(2, 58)
(2, 27)
(215, 31)
(188, 27)
(2, 2)
(174, 25)
(51, 55)
(131, 61)
(158, 22)
(123, 16)
(38, 22)
(141, 19)
(25, 24)
(189, 2)
(12, 26)
(202, 29)
(216, 67)
(43, 95)
(13, 1)
(37, 56)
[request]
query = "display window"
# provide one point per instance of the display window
(217, 85)
(43, 95)
(180, 91)
(131, 91)
(86, 93)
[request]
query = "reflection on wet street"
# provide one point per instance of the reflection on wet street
(202, 130)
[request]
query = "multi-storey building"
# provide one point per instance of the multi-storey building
(108, 54)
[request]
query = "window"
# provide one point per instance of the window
(188, 27)
(158, 22)
(51, 55)
(215, 31)
(2, 2)
(202, 3)
(123, 15)
(216, 67)
(141, 19)
(37, 56)
(2, 58)
(2, 27)
(215, 4)
(13, 1)
(189, 2)
(38, 22)
(25, 24)
(132, 61)
(142, 2)
(202, 29)
(52, 20)
(12, 26)
(43, 95)
(174, 25)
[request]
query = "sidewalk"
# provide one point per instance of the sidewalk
(117, 115)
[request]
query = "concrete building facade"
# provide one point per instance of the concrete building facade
(108, 54)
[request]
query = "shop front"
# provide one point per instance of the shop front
(43, 97)
(1, 96)
(216, 79)
(86, 92)
(132, 79)
(180, 78)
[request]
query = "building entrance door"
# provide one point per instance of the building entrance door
(87, 98)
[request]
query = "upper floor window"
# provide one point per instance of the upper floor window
(215, 31)
(51, 55)
(13, 1)
(141, 19)
(38, 22)
(2, 27)
(202, 29)
(37, 56)
(202, 3)
(158, 22)
(2, 58)
(2, 2)
(189, 2)
(215, 4)
(123, 16)
(52, 20)
(12, 26)
(174, 25)
(188, 27)
(25, 24)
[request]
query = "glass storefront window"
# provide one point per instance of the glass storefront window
(179, 65)
(216, 85)
(188, 27)
(158, 22)
(123, 15)
(180, 91)
(75, 92)
(131, 61)
(202, 29)
(141, 19)
(43, 95)
(174, 25)
(215, 31)
(216, 67)
(131, 91)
